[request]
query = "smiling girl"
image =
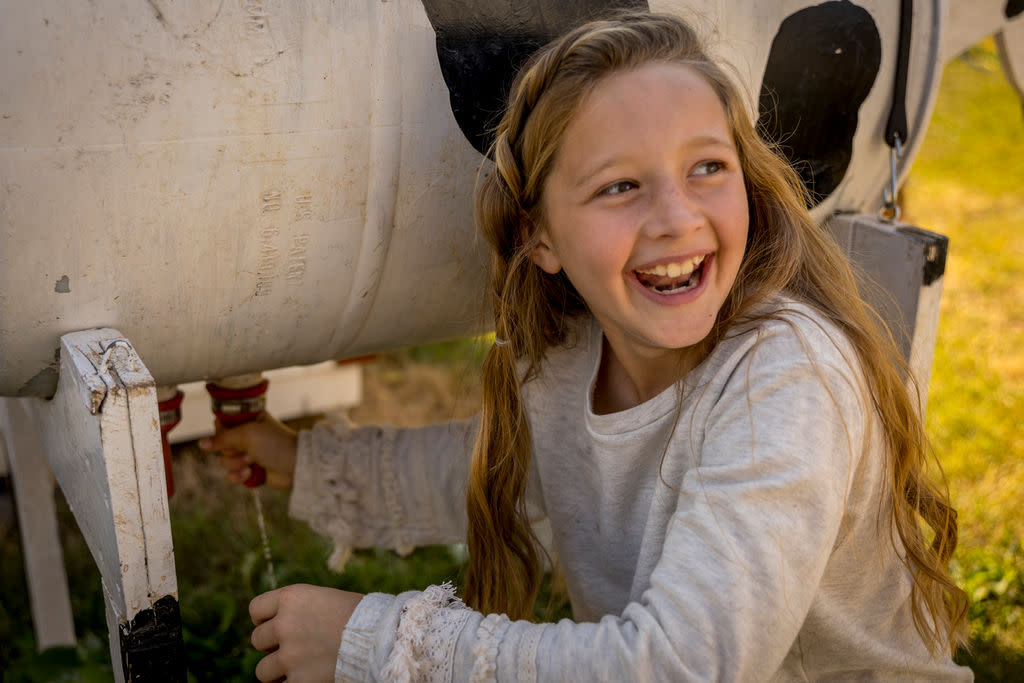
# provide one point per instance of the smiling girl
(684, 385)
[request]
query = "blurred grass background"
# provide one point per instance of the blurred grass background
(967, 183)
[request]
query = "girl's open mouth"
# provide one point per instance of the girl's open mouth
(672, 278)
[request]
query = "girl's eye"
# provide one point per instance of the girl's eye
(618, 188)
(709, 168)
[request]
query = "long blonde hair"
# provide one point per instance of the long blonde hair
(786, 251)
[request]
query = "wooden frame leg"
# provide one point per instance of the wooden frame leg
(101, 433)
(33, 485)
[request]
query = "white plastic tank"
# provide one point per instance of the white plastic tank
(233, 185)
(249, 184)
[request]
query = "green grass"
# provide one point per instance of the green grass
(968, 183)
(220, 567)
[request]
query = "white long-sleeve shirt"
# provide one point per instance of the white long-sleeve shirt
(734, 527)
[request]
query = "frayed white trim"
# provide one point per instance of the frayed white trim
(391, 492)
(411, 655)
(339, 557)
(331, 492)
(339, 482)
(528, 655)
(485, 650)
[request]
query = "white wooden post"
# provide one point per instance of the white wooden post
(32, 483)
(101, 433)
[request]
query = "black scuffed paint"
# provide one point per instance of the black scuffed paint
(1013, 8)
(482, 43)
(823, 62)
(935, 248)
(151, 645)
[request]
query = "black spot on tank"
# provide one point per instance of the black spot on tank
(1013, 8)
(482, 43)
(823, 62)
(63, 285)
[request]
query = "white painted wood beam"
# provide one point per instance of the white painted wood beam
(33, 487)
(101, 433)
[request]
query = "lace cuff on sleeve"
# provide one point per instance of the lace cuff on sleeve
(355, 654)
(345, 488)
(428, 631)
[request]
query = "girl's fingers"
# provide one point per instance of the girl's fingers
(270, 669)
(300, 626)
(226, 439)
(239, 476)
(233, 461)
(264, 606)
(264, 638)
(236, 466)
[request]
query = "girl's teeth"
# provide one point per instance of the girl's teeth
(671, 278)
(674, 269)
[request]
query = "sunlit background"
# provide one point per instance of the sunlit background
(968, 183)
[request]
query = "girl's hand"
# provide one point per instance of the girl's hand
(300, 628)
(265, 441)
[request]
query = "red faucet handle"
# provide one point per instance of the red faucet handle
(170, 416)
(238, 406)
(257, 476)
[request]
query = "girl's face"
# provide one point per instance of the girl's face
(645, 209)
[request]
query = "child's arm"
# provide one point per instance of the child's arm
(363, 487)
(383, 486)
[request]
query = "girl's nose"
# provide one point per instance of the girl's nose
(676, 212)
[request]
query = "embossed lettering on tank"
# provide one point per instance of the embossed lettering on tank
(256, 18)
(290, 258)
(295, 266)
(269, 257)
(304, 206)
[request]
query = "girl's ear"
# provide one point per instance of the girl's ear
(544, 255)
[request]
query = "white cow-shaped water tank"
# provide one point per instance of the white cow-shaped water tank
(250, 184)
(247, 184)
(235, 186)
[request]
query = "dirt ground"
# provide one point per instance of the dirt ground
(403, 392)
